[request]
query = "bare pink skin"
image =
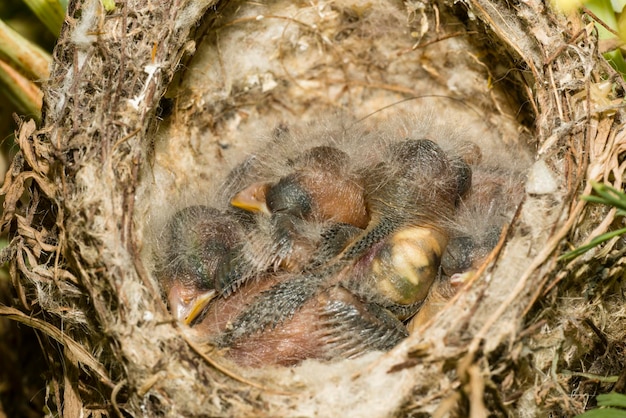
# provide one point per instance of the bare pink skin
(286, 344)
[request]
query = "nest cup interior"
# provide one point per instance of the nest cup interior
(259, 66)
(375, 69)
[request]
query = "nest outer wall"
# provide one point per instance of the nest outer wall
(76, 202)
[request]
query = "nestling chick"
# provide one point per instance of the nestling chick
(411, 195)
(482, 213)
(497, 190)
(297, 202)
(283, 320)
(201, 245)
(344, 243)
(388, 269)
(320, 188)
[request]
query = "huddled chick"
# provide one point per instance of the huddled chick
(333, 241)
(202, 244)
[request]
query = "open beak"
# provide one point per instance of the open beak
(252, 198)
(187, 304)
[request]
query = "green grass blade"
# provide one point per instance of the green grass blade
(607, 195)
(605, 201)
(29, 58)
(593, 243)
(22, 92)
(50, 12)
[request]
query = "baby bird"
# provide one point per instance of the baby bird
(299, 209)
(345, 244)
(497, 190)
(319, 188)
(201, 245)
(372, 279)
(411, 194)
(483, 212)
(327, 323)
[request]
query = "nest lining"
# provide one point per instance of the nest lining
(78, 247)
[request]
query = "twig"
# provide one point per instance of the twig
(230, 373)
(600, 21)
(114, 393)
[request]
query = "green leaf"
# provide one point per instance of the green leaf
(109, 5)
(612, 399)
(603, 413)
(616, 59)
(603, 9)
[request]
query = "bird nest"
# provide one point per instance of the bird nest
(148, 108)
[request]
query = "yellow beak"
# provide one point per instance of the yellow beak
(187, 304)
(252, 198)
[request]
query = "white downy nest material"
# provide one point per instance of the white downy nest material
(151, 105)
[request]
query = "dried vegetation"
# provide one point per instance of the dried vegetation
(158, 97)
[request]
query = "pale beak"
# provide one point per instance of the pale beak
(187, 304)
(252, 198)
